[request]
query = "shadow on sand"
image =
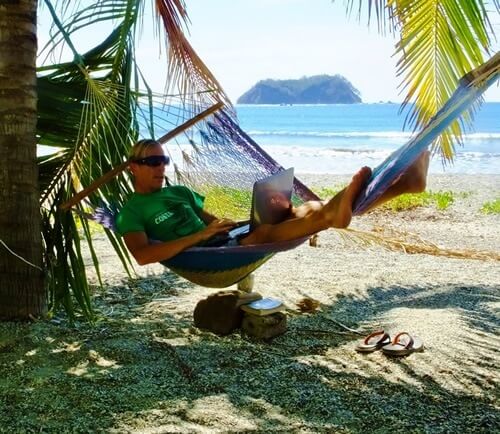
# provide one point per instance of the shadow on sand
(143, 367)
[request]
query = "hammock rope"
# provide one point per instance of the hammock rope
(223, 154)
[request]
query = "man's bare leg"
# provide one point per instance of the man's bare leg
(412, 181)
(337, 212)
(315, 216)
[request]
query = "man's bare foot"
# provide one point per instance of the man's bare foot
(338, 210)
(414, 180)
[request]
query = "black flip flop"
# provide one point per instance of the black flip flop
(374, 342)
(403, 344)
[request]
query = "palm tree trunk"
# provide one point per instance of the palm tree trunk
(22, 292)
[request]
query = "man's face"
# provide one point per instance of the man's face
(149, 172)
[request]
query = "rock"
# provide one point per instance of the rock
(220, 313)
(318, 89)
(313, 240)
(264, 327)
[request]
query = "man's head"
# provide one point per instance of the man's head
(147, 164)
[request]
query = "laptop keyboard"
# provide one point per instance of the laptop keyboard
(236, 232)
(243, 228)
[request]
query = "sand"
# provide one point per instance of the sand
(145, 368)
(451, 304)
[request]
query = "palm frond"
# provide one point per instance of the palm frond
(86, 110)
(383, 12)
(64, 26)
(409, 243)
(187, 71)
(440, 41)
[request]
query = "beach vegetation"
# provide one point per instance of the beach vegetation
(328, 192)
(465, 194)
(406, 202)
(442, 200)
(231, 202)
(492, 207)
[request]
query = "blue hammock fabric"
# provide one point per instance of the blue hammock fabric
(470, 89)
(219, 267)
(213, 267)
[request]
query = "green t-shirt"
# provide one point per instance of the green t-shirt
(167, 214)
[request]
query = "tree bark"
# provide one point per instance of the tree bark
(22, 293)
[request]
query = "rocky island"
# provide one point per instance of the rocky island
(318, 89)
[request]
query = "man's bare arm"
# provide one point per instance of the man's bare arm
(147, 252)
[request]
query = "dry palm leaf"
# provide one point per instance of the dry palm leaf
(408, 242)
(307, 305)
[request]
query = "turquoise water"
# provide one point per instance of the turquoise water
(341, 138)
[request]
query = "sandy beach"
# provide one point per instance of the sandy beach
(451, 304)
(147, 369)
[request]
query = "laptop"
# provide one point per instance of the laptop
(271, 202)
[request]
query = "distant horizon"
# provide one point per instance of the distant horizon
(330, 75)
(293, 40)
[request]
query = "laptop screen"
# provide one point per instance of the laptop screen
(271, 200)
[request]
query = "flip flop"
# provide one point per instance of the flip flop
(374, 342)
(403, 344)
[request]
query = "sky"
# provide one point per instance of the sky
(247, 41)
(243, 42)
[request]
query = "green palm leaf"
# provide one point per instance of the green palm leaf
(440, 41)
(86, 111)
(91, 121)
(89, 110)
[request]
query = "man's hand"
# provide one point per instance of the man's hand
(217, 226)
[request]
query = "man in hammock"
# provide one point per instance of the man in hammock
(175, 216)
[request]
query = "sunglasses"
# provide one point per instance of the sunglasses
(153, 160)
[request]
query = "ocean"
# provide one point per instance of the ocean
(341, 138)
